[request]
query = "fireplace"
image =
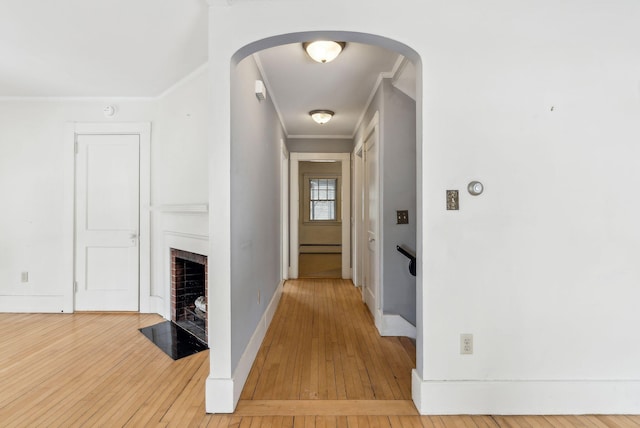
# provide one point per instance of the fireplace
(189, 292)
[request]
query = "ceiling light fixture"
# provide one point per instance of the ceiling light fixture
(323, 50)
(321, 116)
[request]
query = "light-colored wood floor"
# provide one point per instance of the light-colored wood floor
(320, 365)
(322, 344)
(314, 265)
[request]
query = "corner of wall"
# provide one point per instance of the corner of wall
(219, 396)
(223, 394)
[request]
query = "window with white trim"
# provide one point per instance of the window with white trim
(322, 199)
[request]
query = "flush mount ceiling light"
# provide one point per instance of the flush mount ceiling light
(323, 50)
(321, 116)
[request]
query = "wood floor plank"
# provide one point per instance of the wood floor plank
(483, 421)
(378, 421)
(325, 407)
(620, 421)
(523, 421)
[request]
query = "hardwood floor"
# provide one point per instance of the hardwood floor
(321, 364)
(322, 344)
(327, 265)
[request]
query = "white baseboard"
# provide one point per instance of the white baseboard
(526, 397)
(395, 325)
(241, 373)
(35, 304)
(223, 394)
(219, 396)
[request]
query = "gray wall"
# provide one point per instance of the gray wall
(255, 205)
(320, 145)
(398, 182)
(397, 133)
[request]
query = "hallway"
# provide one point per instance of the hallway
(323, 345)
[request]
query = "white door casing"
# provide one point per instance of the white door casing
(294, 207)
(371, 284)
(284, 181)
(111, 217)
(358, 215)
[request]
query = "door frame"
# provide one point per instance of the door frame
(143, 130)
(294, 207)
(358, 214)
(284, 213)
(373, 128)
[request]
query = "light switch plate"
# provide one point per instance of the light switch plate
(402, 217)
(452, 200)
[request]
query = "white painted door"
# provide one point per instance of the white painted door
(371, 283)
(107, 222)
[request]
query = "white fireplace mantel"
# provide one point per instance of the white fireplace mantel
(183, 227)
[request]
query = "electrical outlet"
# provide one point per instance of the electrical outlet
(466, 344)
(24, 277)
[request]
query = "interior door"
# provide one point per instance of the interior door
(107, 222)
(370, 289)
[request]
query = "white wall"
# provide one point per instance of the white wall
(32, 183)
(180, 172)
(542, 267)
(179, 178)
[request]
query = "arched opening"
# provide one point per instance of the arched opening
(245, 172)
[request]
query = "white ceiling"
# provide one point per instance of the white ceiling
(140, 48)
(297, 85)
(95, 48)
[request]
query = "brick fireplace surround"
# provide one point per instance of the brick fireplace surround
(189, 280)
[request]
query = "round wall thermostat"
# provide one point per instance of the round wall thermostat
(475, 188)
(109, 111)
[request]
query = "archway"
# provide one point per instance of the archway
(231, 359)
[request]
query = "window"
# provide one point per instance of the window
(322, 200)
